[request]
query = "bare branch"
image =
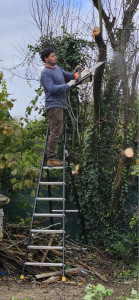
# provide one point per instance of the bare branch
(127, 22)
(109, 25)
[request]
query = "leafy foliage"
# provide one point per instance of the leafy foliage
(97, 292)
(21, 149)
(134, 295)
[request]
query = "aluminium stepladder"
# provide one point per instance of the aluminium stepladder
(52, 213)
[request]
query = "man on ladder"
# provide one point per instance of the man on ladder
(53, 80)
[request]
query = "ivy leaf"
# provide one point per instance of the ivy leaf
(133, 292)
(20, 185)
(28, 183)
(109, 292)
(2, 165)
(88, 297)
(7, 155)
(33, 193)
(2, 138)
(13, 180)
(14, 172)
(100, 288)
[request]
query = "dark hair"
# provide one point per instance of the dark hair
(46, 52)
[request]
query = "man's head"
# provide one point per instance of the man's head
(48, 56)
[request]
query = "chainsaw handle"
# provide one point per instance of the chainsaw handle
(79, 74)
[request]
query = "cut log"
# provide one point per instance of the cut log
(129, 152)
(50, 274)
(51, 279)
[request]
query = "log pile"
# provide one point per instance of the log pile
(79, 258)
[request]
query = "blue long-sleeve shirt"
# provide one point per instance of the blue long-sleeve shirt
(53, 82)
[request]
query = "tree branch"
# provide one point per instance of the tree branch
(98, 75)
(109, 25)
(127, 22)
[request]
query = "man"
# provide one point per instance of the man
(56, 82)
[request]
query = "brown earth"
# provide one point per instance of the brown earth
(96, 267)
(72, 289)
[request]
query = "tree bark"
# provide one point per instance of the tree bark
(98, 76)
(118, 75)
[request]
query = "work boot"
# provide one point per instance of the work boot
(54, 163)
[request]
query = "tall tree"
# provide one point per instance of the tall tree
(123, 74)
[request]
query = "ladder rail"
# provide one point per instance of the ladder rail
(50, 202)
(64, 164)
(35, 202)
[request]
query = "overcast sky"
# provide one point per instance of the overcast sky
(17, 29)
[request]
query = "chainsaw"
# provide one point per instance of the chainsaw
(86, 75)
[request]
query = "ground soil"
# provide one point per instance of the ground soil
(11, 287)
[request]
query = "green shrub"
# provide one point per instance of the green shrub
(97, 292)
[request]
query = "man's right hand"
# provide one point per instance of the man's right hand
(78, 67)
(72, 82)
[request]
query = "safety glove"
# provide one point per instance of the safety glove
(72, 82)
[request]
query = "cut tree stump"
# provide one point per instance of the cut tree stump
(96, 31)
(129, 152)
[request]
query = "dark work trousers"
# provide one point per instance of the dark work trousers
(57, 116)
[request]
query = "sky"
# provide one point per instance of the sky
(17, 30)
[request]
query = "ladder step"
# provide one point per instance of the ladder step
(44, 264)
(51, 183)
(46, 247)
(49, 168)
(46, 231)
(49, 199)
(69, 211)
(48, 215)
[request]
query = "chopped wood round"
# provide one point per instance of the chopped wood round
(128, 152)
(96, 31)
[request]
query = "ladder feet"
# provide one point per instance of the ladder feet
(64, 279)
(22, 277)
